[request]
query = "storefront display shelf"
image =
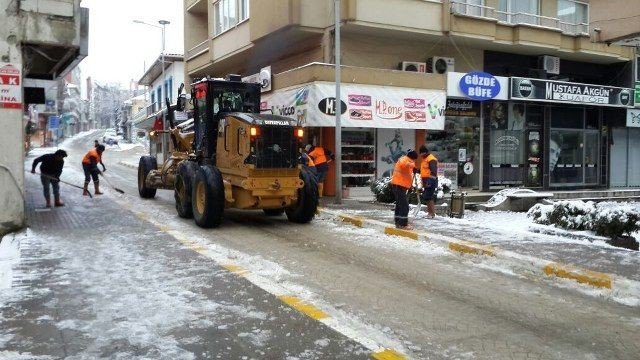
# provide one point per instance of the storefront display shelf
(358, 175)
(358, 146)
(359, 161)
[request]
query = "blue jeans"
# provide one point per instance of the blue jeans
(429, 185)
(55, 184)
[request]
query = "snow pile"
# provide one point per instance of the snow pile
(499, 197)
(611, 220)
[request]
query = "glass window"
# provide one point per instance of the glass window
(228, 13)
(519, 11)
(566, 148)
(573, 12)
(507, 147)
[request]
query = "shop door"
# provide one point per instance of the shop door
(625, 158)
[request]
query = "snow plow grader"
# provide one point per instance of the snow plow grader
(234, 157)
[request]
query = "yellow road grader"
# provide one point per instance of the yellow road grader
(233, 157)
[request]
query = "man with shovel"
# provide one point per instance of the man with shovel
(50, 171)
(90, 166)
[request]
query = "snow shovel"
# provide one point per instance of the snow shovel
(64, 182)
(111, 185)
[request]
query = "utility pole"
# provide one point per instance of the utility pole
(338, 199)
(164, 93)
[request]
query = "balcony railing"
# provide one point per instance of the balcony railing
(198, 49)
(460, 8)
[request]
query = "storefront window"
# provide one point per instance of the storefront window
(458, 146)
(358, 156)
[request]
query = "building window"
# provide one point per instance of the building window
(159, 96)
(574, 16)
(520, 11)
(228, 13)
(469, 7)
(153, 101)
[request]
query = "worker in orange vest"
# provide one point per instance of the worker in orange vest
(401, 182)
(429, 175)
(90, 166)
(321, 158)
(308, 163)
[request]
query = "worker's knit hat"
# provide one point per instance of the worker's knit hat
(412, 154)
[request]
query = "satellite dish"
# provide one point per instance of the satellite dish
(265, 78)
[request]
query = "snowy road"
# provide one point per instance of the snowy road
(378, 290)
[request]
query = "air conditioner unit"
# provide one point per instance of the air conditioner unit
(550, 64)
(413, 66)
(440, 65)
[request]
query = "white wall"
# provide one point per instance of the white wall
(12, 134)
(176, 70)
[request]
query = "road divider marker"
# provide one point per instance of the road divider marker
(471, 248)
(401, 232)
(353, 220)
(307, 309)
(593, 278)
(387, 354)
(235, 269)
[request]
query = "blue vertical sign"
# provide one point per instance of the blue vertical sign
(54, 122)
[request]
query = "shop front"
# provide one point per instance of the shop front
(459, 147)
(625, 150)
(379, 124)
(551, 134)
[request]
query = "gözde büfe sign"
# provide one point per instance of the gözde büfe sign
(570, 93)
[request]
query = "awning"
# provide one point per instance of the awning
(373, 106)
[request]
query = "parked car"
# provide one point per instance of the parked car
(110, 137)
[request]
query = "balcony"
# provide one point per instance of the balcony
(479, 11)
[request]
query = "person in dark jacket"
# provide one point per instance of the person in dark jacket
(50, 171)
(90, 166)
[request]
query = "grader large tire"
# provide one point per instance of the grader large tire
(305, 209)
(273, 212)
(146, 164)
(208, 197)
(183, 188)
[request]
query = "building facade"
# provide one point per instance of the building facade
(39, 40)
(402, 63)
(158, 90)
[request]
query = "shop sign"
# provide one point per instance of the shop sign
(570, 93)
(466, 108)
(637, 92)
(362, 106)
(54, 122)
(479, 86)
(507, 143)
(10, 86)
(483, 86)
(633, 118)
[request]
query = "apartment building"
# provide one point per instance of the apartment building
(505, 92)
(39, 40)
(160, 84)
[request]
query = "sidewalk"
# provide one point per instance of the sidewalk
(578, 252)
(93, 280)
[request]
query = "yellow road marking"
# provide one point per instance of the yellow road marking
(235, 269)
(582, 276)
(401, 232)
(354, 220)
(471, 248)
(387, 354)
(307, 309)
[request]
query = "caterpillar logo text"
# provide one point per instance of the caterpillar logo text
(277, 122)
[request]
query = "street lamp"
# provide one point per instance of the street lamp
(164, 91)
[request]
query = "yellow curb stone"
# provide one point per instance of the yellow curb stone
(401, 232)
(471, 248)
(387, 354)
(307, 309)
(353, 220)
(582, 276)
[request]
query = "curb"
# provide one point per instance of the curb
(540, 267)
(128, 164)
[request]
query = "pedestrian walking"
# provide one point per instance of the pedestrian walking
(401, 182)
(321, 158)
(50, 170)
(429, 175)
(90, 166)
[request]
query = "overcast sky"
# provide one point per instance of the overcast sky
(118, 47)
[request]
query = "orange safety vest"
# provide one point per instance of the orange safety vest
(93, 153)
(318, 155)
(425, 172)
(403, 172)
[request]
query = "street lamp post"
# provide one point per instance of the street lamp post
(338, 140)
(163, 87)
